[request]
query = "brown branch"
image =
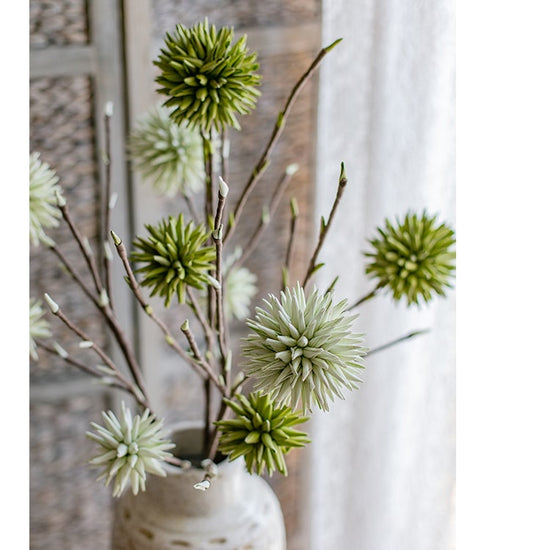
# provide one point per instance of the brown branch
(86, 252)
(107, 199)
(147, 308)
(325, 226)
(277, 130)
(266, 216)
(291, 237)
(56, 310)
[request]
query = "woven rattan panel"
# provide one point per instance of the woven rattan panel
(58, 23)
(69, 508)
(62, 131)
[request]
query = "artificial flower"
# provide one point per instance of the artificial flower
(413, 258)
(174, 256)
(302, 349)
(206, 77)
(129, 449)
(43, 200)
(261, 432)
(167, 154)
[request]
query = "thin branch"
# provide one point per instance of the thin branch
(209, 174)
(109, 200)
(56, 310)
(325, 226)
(277, 130)
(292, 234)
(199, 359)
(365, 298)
(218, 242)
(83, 245)
(398, 341)
(201, 367)
(203, 322)
(267, 215)
(119, 381)
(105, 309)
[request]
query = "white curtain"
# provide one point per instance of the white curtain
(383, 460)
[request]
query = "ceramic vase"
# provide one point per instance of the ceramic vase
(239, 511)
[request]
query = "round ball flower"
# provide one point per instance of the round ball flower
(303, 349)
(43, 210)
(174, 256)
(168, 155)
(413, 258)
(38, 327)
(129, 449)
(207, 78)
(261, 432)
(239, 288)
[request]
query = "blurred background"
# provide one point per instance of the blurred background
(380, 473)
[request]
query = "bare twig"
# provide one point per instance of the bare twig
(267, 215)
(365, 298)
(56, 310)
(202, 368)
(109, 199)
(217, 236)
(277, 130)
(118, 380)
(105, 309)
(293, 219)
(398, 341)
(82, 244)
(325, 226)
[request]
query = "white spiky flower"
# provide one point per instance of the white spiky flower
(168, 155)
(43, 192)
(130, 447)
(302, 349)
(38, 327)
(240, 288)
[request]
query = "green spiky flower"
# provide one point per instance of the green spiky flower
(413, 258)
(43, 210)
(302, 349)
(262, 432)
(38, 327)
(174, 256)
(207, 78)
(168, 155)
(129, 449)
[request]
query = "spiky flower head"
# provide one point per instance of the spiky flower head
(207, 78)
(168, 155)
(240, 288)
(43, 210)
(38, 327)
(261, 432)
(413, 258)
(129, 449)
(302, 349)
(174, 256)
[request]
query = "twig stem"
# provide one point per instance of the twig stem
(277, 130)
(398, 341)
(325, 226)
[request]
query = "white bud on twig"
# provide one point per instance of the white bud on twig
(53, 306)
(224, 188)
(108, 109)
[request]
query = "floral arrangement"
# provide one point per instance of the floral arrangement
(301, 352)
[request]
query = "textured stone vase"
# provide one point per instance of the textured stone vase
(238, 512)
